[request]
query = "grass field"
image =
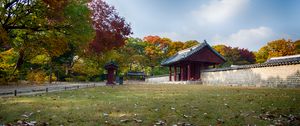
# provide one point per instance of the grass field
(156, 105)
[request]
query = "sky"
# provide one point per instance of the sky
(238, 23)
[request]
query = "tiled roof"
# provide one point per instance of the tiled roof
(284, 59)
(183, 54)
(113, 64)
(277, 61)
(135, 73)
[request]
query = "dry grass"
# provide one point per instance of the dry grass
(156, 105)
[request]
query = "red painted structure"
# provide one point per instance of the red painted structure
(187, 64)
(111, 72)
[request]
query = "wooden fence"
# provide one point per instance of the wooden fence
(17, 92)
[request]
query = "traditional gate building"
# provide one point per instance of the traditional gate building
(186, 65)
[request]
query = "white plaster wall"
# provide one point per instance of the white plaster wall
(157, 79)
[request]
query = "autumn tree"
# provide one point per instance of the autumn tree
(235, 56)
(155, 49)
(174, 47)
(262, 55)
(297, 44)
(43, 27)
(133, 55)
(161, 48)
(161, 43)
(153, 39)
(8, 59)
(232, 55)
(276, 48)
(246, 56)
(281, 47)
(190, 43)
(111, 29)
(220, 49)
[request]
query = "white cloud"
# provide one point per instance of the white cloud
(252, 39)
(218, 11)
(172, 35)
(184, 34)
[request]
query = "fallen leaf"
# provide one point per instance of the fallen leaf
(105, 114)
(138, 120)
(124, 120)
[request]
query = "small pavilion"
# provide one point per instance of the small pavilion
(186, 65)
(111, 72)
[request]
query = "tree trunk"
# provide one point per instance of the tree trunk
(18, 64)
(67, 71)
(50, 76)
(130, 66)
(152, 67)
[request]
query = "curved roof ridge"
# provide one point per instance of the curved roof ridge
(183, 54)
(285, 57)
(188, 49)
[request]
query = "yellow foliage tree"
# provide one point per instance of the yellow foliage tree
(276, 48)
(297, 44)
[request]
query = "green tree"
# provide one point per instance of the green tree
(43, 27)
(133, 56)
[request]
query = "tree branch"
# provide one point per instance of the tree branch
(10, 4)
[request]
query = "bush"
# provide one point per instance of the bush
(54, 78)
(81, 78)
(160, 70)
(3, 81)
(69, 79)
(98, 79)
(38, 77)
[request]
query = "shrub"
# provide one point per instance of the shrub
(37, 76)
(81, 78)
(3, 81)
(53, 78)
(69, 79)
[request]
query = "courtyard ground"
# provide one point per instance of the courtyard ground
(155, 105)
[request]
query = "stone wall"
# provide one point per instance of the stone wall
(272, 76)
(165, 80)
(158, 79)
(267, 76)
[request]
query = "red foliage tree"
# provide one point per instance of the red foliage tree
(111, 29)
(236, 56)
(247, 55)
